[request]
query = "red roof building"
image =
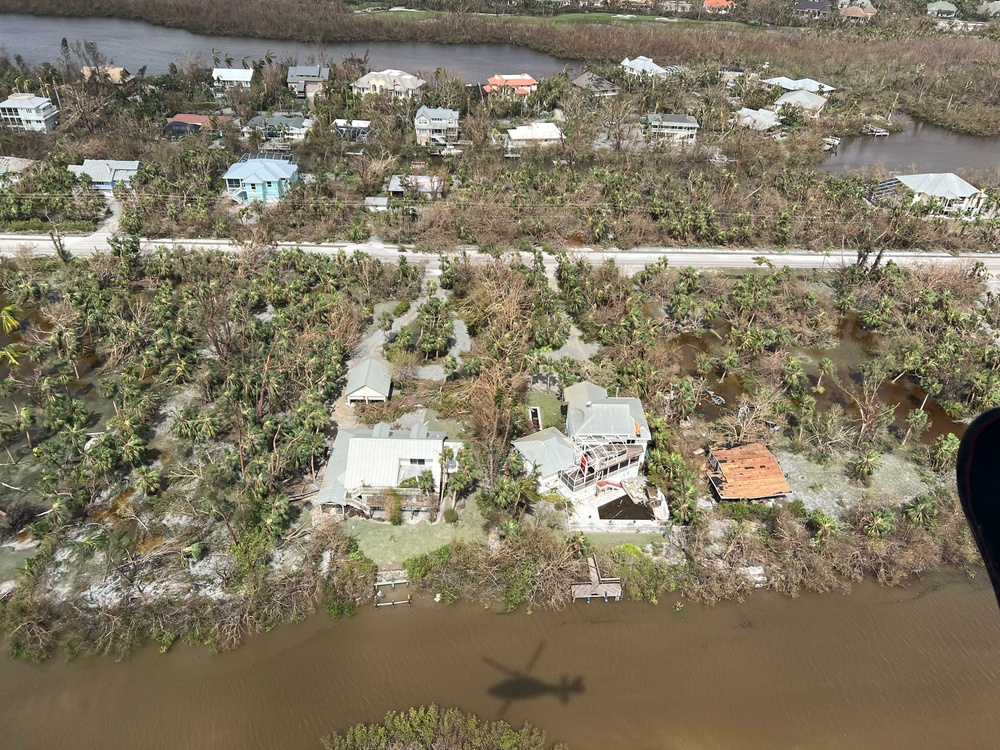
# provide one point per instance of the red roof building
(519, 84)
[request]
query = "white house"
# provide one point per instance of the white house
(672, 128)
(368, 382)
(396, 83)
(644, 66)
(942, 9)
(436, 126)
(757, 119)
(431, 186)
(29, 112)
(232, 78)
(947, 193)
(800, 84)
(365, 463)
(605, 441)
(809, 102)
(104, 174)
(534, 134)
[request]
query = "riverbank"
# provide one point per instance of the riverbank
(881, 669)
(846, 58)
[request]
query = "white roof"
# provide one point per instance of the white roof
(380, 457)
(233, 75)
(945, 185)
(805, 99)
(429, 184)
(990, 9)
(643, 64)
(535, 131)
(437, 113)
(25, 101)
(373, 374)
(11, 164)
(549, 451)
(799, 84)
(397, 78)
(106, 170)
(591, 412)
(261, 170)
(657, 118)
(758, 119)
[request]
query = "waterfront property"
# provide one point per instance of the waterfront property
(604, 443)
(518, 84)
(116, 76)
(305, 81)
(757, 119)
(396, 83)
(260, 177)
(232, 78)
(436, 126)
(599, 586)
(368, 382)
(539, 134)
(105, 174)
(643, 65)
(672, 128)
(278, 126)
(945, 193)
(810, 103)
(812, 8)
(365, 464)
(600, 87)
(29, 112)
(746, 472)
(183, 124)
(719, 7)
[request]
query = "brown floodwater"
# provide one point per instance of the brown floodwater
(880, 668)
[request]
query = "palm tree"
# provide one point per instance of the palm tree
(8, 319)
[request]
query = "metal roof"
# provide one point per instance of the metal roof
(800, 84)
(548, 450)
(298, 73)
(437, 113)
(535, 131)
(591, 412)
(428, 184)
(758, 119)
(654, 119)
(25, 101)
(804, 99)
(372, 373)
(262, 170)
(380, 457)
(234, 75)
(106, 170)
(944, 185)
(278, 120)
(395, 78)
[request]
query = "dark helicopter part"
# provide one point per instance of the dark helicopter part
(978, 474)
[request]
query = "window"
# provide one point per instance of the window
(270, 184)
(418, 461)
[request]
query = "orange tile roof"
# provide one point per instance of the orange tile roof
(500, 81)
(746, 472)
(204, 121)
(719, 3)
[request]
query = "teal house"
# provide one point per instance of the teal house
(261, 177)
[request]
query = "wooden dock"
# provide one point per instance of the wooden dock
(382, 597)
(598, 586)
(874, 130)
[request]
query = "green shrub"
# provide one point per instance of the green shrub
(450, 515)
(401, 309)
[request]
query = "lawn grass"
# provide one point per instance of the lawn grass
(390, 545)
(551, 408)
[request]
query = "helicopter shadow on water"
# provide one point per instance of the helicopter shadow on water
(522, 685)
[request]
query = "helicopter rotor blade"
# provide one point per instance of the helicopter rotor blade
(534, 658)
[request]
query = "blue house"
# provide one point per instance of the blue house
(261, 177)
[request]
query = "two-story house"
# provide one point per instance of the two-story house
(305, 81)
(29, 112)
(672, 128)
(436, 126)
(396, 83)
(518, 84)
(232, 78)
(260, 177)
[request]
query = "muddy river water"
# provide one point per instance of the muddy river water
(881, 668)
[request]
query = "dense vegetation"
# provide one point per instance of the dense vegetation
(432, 728)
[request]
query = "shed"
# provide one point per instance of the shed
(746, 472)
(368, 381)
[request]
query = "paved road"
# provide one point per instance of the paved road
(631, 260)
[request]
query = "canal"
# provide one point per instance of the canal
(134, 44)
(881, 668)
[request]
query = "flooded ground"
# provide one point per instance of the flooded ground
(881, 668)
(135, 44)
(920, 148)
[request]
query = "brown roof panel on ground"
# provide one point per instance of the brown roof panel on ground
(746, 472)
